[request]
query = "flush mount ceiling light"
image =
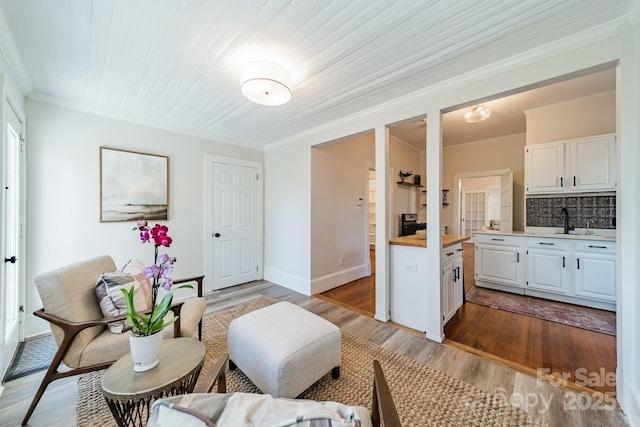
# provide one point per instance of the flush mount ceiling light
(477, 113)
(266, 83)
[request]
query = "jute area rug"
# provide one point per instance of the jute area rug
(423, 396)
(568, 314)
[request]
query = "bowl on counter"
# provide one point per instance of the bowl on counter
(421, 234)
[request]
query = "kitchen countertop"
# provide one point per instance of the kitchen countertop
(413, 240)
(555, 235)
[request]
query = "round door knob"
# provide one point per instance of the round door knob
(217, 235)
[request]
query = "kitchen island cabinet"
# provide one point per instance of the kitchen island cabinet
(408, 279)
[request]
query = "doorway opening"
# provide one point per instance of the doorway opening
(483, 201)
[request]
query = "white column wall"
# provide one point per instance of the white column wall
(288, 217)
(382, 220)
(628, 212)
(435, 330)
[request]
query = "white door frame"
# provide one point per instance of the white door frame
(456, 193)
(369, 166)
(7, 109)
(209, 160)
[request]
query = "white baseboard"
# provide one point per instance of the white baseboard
(35, 326)
(437, 338)
(333, 280)
(295, 283)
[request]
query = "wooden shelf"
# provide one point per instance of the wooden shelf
(409, 184)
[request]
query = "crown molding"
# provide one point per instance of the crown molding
(369, 118)
(84, 108)
(10, 52)
(633, 13)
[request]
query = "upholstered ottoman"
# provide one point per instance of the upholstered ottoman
(283, 348)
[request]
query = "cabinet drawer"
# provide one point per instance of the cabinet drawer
(548, 243)
(452, 252)
(498, 239)
(595, 246)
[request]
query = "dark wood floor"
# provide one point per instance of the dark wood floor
(523, 342)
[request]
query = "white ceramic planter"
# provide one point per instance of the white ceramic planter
(145, 351)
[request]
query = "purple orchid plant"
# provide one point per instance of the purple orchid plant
(148, 324)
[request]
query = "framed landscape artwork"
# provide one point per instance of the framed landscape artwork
(133, 186)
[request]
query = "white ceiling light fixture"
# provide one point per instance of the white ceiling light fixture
(266, 83)
(477, 113)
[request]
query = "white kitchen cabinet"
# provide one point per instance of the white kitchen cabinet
(595, 270)
(575, 270)
(499, 263)
(593, 162)
(548, 265)
(451, 281)
(458, 276)
(545, 167)
(576, 165)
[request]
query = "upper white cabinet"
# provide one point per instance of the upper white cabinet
(593, 163)
(577, 165)
(545, 166)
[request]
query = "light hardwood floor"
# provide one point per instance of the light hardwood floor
(57, 407)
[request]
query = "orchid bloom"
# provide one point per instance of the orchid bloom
(160, 237)
(158, 273)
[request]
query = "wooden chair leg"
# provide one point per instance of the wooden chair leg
(217, 375)
(49, 377)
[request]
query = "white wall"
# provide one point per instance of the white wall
(591, 115)
(339, 172)
(63, 216)
(505, 152)
(288, 217)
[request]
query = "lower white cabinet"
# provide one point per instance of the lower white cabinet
(452, 281)
(498, 262)
(577, 271)
(548, 265)
(458, 276)
(595, 270)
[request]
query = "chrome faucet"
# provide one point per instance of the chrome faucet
(565, 216)
(588, 230)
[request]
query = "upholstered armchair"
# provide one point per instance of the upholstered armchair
(203, 408)
(84, 341)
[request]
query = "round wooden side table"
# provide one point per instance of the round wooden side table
(130, 394)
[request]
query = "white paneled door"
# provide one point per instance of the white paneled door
(236, 224)
(474, 212)
(10, 292)
(506, 201)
